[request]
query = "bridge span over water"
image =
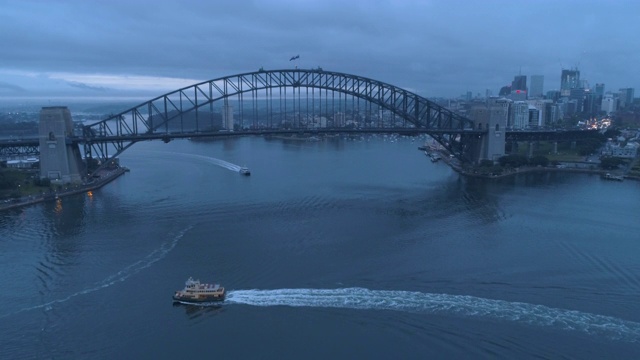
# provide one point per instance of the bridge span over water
(280, 102)
(293, 101)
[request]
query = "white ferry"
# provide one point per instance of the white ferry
(609, 176)
(194, 291)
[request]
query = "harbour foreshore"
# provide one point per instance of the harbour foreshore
(576, 168)
(104, 177)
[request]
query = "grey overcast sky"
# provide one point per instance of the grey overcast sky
(432, 47)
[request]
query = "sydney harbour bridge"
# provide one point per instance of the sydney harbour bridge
(295, 102)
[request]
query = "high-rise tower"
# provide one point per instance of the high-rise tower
(519, 83)
(537, 83)
(569, 79)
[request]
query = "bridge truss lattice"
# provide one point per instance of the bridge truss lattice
(267, 100)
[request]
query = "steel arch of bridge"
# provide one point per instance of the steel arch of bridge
(152, 119)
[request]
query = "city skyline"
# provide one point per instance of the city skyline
(101, 49)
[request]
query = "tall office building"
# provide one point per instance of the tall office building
(626, 97)
(505, 90)
(591, 103)
(609, 104)
(537, 83)
(519, 83)
(578, 95)
(599, 94)
(553, 95)
(569, 79)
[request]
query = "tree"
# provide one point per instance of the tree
(611, 162)
(539, 160)
(486, 163)
(513, 160)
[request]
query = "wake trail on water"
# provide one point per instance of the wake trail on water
(122, 275)
(211, 160)
(429, 303)
(224, 164)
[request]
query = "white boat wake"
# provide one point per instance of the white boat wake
(221, 163)
(459, 305)
(218, 162)
(122, 275)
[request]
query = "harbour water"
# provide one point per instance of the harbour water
(341, 248)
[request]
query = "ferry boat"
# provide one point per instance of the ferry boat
(609, 176)
(245, 171)
(197, 292)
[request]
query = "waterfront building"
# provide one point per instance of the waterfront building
(599, 90)
(628, 151)
(537, 84)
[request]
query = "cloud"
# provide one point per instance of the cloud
(84, 86)
(103, 82)
(7, 87)
(436, 47)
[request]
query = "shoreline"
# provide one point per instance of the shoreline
(104, 179)
(455, 165)
(457, 168)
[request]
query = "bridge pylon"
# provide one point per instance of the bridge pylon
(60, 160)
(493, 143)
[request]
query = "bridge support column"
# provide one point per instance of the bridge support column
(60, 160)
(494, 142)
(531, 146)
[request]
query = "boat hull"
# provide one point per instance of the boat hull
(198, 300)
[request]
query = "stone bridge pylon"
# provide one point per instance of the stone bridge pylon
(60, 160)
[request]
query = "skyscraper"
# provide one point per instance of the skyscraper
(537, 83)
(519, 83)
(569, 79)
(626, 97)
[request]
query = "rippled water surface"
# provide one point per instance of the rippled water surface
(342, 248)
